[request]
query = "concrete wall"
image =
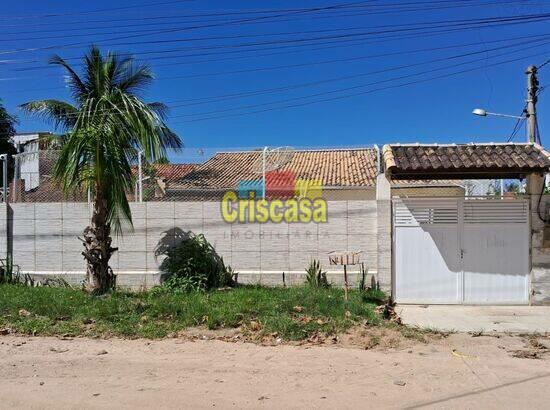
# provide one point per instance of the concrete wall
(540, 248)
(44, 240)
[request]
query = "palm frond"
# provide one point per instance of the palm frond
(7, 122)
(78, 88)
(134, 78)
(107, 128)
(63, 115)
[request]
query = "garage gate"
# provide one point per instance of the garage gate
(461, 251)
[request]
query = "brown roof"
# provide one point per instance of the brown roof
(464, 160)
(169, 172)
(173, 172)
(333, 167)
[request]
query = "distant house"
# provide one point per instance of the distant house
(29, 145)
(342, 174)
(157, 177)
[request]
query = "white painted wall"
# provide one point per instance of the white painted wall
(45, 238)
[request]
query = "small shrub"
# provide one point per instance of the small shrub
(315, 277)
(194, 265)
(9, 273)
(374, 295)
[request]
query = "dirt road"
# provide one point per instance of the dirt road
(83, 373)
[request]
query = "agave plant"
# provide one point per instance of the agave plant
(105, 127)
(315, 276)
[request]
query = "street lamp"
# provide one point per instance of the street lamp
(482, 113)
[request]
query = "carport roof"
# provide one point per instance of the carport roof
(443, 161)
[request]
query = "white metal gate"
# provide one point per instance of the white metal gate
(454, 251)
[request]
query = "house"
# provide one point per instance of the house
(392, 207)
(157, 177)
(28, 146)
(342, 174)
(466, 250)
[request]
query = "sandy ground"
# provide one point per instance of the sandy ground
(176, 373)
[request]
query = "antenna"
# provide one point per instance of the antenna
(272, 159)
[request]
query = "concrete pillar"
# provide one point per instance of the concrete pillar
(4, 242)
(384, 232)
(540, 251)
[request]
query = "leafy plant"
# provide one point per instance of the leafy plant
(315, 276)
(194, 265)
(7, 130)
(9, 273)
(374, 296)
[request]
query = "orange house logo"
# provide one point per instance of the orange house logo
(283, 198)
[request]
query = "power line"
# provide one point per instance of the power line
(517, 126)
(80, 29)
(218, 60)
(85, 13)
(180, 29)
(364, 92)
(387, 69)
(374, 83)
(226, 13)
(118, 31)
(349, 59)
(458, 24)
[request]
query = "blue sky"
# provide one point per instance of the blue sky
(437, 110)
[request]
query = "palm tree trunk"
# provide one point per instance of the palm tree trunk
(98, 251)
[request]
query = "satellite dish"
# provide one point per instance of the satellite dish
(272, 159)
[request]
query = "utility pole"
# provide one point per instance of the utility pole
(531, 111)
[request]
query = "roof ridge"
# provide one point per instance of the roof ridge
(417, 144)
(301, 150)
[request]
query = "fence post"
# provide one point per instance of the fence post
(16, 174)
(140, 176)
(4, 158)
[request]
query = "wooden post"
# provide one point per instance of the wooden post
(345, 282)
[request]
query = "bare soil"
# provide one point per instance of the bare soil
(365, 367)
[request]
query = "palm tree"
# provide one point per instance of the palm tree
(7, 130)
(106, 127)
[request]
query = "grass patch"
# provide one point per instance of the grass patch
(290, 313)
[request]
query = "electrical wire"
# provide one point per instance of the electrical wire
(180, 29)
(85, 13)
(384, 70)
(372, 83)
(226, 13)
(80, 29)
(378, 82)
(368, 91)
(517, 127)
(306, 42)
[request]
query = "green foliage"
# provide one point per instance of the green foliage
(9, 273)
(7, 130)
(106, 126)
(194, 265)
(315, 276)
(7, 124)
(513, 186)
(374, 296)
(160, 312)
